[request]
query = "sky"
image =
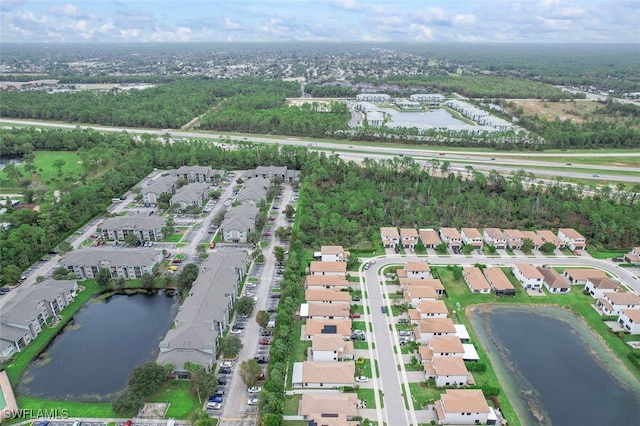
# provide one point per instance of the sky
(501, 21)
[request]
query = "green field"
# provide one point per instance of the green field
(45, 172)
(176, 393)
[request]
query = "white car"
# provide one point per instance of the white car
(234, 331)
(226, 364)
(404, 333)
(214, 406)
(254, 389)
(362, 379)
(253, 401)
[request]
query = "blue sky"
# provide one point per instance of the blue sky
(537, 21)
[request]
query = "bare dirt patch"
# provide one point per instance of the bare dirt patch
(571, 110)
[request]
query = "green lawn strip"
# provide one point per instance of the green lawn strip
(181, 245)
(369, 396)
(358, 309)
(413, 367)
(296, 422)
(421, 395)
(298, 351)
(358, 325)
(605, 254)
(183, 402)
(76, 409)
(291, 404)
(364, 369)
(358, 344)
(173, 238)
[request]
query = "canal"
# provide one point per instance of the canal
(92, 357)
(554, 369)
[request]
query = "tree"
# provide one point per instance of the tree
(262, 318)
(218, 217)
(250, 372)
(119, 284)
(230, 346)
(146, 378)
(62, 273)
(131, 239)
(201, 418)
(244, 305)
(201, 249)
(11, 274)
(278, 252)
(104, 277)
(527, 245)
(548, 248)
(202, 381)
(12, 171)
(289, 211)
(127, 403)
(58, 164)
(147, 281)
(467, 249)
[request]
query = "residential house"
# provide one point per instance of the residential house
(326, 296)
(340, 327)
(323, 375)
(472, 236)
(499, 282)
(528, 275)
(238, 223)
(29, 311)
(331, 347)
(451, 237)
(191, 195)
(144, 228)
(418, 270)
(536, 241)
(318, 311)
(429, 328)
(390, 237)
(432, 309)
(554, 281)
(629, 319)
(153, 190)
(123, 263)
(283, 174)
(430, 238)
(447, 371)
(329, 408)
(333, 254)
(328, 268)
(254, 191)
(414, 294)
(408, 104)
(409, 237)
(495, 237)
(373, 97)
(204, 315)
(326, 281)
(597, 287)
(375, 118)
(462, 407)
(449, 346)
(195, 173)
(476, 280)
(430, 99)
(572, 238)
(579, 276)
(515, 238)
(613, 303)
(549, 237)
(633, 256)
(433, 283)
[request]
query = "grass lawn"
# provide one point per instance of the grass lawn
(369, 396)
(421, 394)
(358, 344)
(76, 409)
(364, 369)
(412, 367)
(605, 254)
(298, 351)
(182, 401)
(358, 325)
(174, 237)
(291, 403)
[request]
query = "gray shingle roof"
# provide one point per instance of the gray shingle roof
(190, 193)
(161, 185)
(254, 189)
(22, 309)
(117, 257)
(240, 217)
(134, 222)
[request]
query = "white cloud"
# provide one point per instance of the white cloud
(344, 4)
(464, 19)
(68, 10)
(547, 3)
(230, 25)
(422, 32)
(432, 14)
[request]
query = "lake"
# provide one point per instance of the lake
(91, 359)
(554, 369)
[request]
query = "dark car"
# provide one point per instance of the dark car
(384, 309)
(224, 370)
(222, 381)
(266, 333)
(262, 359)
(215, 398)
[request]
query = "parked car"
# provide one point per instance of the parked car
(403, 320)
(254, 389)
(384, 309)
(355, 315)
(265, 342)
(215, 398)
(214, 406)
(266, 333)
(404, 333)
(226, 364)
(362, 379)
(224, 370)
(262, 359)
(253, 401)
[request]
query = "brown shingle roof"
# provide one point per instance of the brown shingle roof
(326, 294)
(316, 326)
(585, 274)
(328, 372)
(446, 344)
(553, 278)
(317, 266)
(498, 279)
(475, 278)
(464, 401)
(430, 237)
(623, 298)
(322, 280)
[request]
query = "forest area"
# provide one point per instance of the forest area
(341, 203)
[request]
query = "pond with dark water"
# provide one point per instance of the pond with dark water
(554, 368)
(92, 357)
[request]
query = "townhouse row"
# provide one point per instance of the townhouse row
(500, 239)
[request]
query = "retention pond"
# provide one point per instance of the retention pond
(554, 369)
(92, 357)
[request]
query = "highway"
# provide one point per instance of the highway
(502, 162)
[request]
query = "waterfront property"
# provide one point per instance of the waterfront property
(121, 263)
(463, 407)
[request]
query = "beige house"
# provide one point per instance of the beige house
(451, 237)
(549, 237)
(414, 294)
(476, 280)
(436, 284)
(328, 268)
(432, 309)
(418, 270)
(614, 303)
(495, 237)
(329, 408)
(472, 236)
(449, 346)
(535, 239)
(340, 327)
(323, 375)
(528, 275)
(633, 256)
(390, 237)
(554, 282)
(331, 347)
(326, 296)
(499, 282)
(327, 311)
(409, 237)
(430, 238)
(447, 371)
(326, 281)
(572, 238)
(515, 239)
(581, 275)
(429, 328)
(462, 407)
(333, 254)
(597, 287)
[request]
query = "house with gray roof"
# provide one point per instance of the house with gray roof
(193, 194)
(143, 227)
(204, 314)
(25, 316)
(270, 172)
(195, 173)
(122, 263)
(157, 187)
(254, 190)
(238, 223)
